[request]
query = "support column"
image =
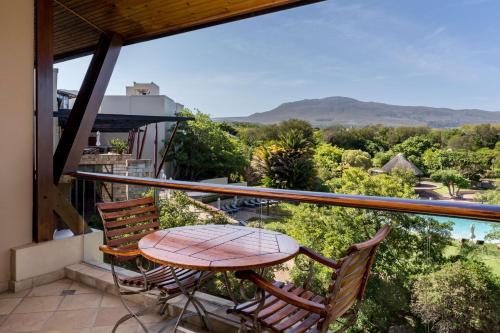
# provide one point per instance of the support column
(164, 157)
(43, 219)
(89, 99)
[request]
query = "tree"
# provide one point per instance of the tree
(381, 158)
(460, 141)
(453, 180)
(399, 134)
(203, 149)
(330, 230)
(357, 159)
(461, 297)
(492, 197)
(471, 165)
(286, 163)
(257, 134)
(179, 210)
(413, 148)
(298, 125)
(327, 160)
(407, 176)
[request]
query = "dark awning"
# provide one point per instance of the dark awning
(120, 123)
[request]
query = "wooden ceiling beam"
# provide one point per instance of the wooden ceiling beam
(143, 21)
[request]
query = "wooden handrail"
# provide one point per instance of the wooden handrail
(441, 208)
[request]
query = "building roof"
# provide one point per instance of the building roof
(67, 92)
(79, 23)
(119, 123)
(400, 162)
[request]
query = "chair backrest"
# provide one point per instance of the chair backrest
(349, 281)
(126, 222)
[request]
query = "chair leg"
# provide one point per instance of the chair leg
(189, 293)
(131, 313)
(243, 326)
(164, 301)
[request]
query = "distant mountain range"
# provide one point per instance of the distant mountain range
(351, 112)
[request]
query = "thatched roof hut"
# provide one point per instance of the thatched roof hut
(400, 162)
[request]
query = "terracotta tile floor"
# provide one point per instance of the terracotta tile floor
(66, 306)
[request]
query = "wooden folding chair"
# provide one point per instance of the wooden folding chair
(294, 309)
(125, 223)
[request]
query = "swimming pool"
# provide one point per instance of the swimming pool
(461, 227)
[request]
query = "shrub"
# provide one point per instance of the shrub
(118, 145)
(461, 297)
(357, 159)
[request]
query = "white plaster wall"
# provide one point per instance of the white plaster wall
(37, 259)
(16, 129)
(141, 105)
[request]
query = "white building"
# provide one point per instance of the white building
(140, 99)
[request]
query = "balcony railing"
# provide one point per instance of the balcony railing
(428, 207)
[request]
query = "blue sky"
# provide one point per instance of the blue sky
(442, 53)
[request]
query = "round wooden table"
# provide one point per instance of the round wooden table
(218, 248)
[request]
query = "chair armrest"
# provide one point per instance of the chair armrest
(119, 252)
(318, 257)
(281, 294)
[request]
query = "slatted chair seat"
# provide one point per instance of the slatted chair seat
(279, 316)
(162, 279)
(292, 309)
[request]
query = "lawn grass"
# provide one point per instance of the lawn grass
(442, 190)
(487, 253)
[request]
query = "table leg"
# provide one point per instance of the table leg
(229, 288)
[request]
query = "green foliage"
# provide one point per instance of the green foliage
(453, 180)
(286, 163)
(358, 181)
(492, 197)
(356, 159)
(118, 145)
(472, 137)
(374, 138)
(461, 297)
(471, 165)
(254, 135)
(180, 210)
(413, 148)
(407, 176)
(327, 160)
(331, 230)
(347, 138)
(381, 158)
(203, 149)
(494, 233)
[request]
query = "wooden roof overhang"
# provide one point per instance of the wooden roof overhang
(78, 24)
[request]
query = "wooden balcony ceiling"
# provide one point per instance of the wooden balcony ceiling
(79, 23)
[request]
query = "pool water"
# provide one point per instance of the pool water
(461, 227)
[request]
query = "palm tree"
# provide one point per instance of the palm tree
(286, 163)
